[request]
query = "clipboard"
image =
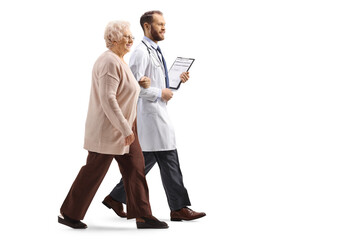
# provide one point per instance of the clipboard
(179, 66)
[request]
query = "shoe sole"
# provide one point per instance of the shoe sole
(181, 219)
(141, 225)
(63, 221)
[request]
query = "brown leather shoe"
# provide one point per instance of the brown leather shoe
(150, 222)
(185, 214)
(114, 205)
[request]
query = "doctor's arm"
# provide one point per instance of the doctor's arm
(138, 63)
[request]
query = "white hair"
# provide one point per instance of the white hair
(114, 32)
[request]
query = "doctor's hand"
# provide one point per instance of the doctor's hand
(166, 94)
(184, 76)
(145, 82)
(129, 139)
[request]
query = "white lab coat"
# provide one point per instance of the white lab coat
(155, 130)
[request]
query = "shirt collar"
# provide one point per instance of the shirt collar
(152, 43)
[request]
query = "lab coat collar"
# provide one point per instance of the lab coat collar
(151, 42)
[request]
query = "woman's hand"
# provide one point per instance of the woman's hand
(145, 82)
(129, 139)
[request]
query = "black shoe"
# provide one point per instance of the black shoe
(152, 222)
(71, 222)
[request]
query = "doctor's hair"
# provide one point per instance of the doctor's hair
(114, 32)
(148, 18)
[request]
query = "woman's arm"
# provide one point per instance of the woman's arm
(107, 90)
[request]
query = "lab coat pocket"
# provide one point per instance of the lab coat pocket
(150, 107)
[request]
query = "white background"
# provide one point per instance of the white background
(267, 127)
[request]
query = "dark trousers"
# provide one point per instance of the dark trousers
(91, 175)
(171, 177)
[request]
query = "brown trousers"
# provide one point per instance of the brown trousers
(92, 174)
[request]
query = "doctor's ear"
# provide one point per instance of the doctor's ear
(147, 26)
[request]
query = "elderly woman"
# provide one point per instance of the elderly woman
(110, 132)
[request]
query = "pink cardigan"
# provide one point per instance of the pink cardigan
(112, 106)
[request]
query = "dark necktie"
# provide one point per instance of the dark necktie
(165, 67)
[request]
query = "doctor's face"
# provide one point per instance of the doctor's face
(158, 27)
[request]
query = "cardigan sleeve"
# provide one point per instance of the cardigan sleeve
(107, 92)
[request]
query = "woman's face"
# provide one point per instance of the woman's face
(124, 45)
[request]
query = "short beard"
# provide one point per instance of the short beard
(155, 35)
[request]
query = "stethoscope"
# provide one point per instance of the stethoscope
(154, 60)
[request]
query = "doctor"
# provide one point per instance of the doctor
(155, 130)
